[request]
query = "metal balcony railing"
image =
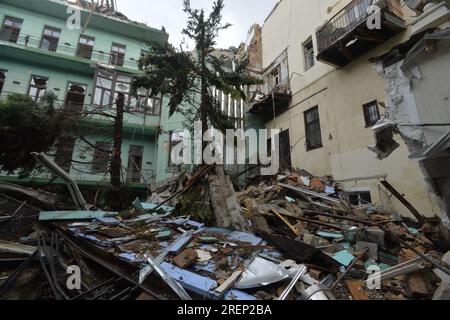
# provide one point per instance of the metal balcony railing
(342, 23)
(74, 51)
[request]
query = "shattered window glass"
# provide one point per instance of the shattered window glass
(11, 29)
(85, 47)
(308, 51)
(50, 39)
(38, 86)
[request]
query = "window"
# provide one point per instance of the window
(38, 86)
(2, 79)
(312, 129)
(308, 52)
(100, 162)
(85, 47)
(359, 198)
(117, 54)
(275, 78)
(50, 38)
(135, 164)
(145, 104)
(176, 138)
(371, 113)
(11, 29)
(103, 88)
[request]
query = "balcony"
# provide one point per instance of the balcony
(349, 34)
(28, 41)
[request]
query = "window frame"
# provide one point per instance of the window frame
(50, 38)
(309, 130)
(308, 53)
(369, 122)
(3, 80)
(117, 56)
(83, 46)
(37, 97)
(13, 28)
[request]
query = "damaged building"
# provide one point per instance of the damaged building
(325, 96)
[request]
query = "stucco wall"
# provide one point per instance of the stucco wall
(340, 95)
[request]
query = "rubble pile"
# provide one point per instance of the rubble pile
(289, 237)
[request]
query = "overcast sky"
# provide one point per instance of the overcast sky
(169, 13)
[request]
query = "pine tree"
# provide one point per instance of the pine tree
(188, 78)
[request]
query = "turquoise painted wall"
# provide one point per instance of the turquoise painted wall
(34, 23)
(21, 63)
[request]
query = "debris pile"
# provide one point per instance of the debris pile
(289, 237)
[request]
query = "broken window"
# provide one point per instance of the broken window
(312, 129)
(308, 52)
(371, 113)
(135, 164)
(285, 149)
(100, 162)
(122, 86)
(75, 97)
(359, 198)
(117, 54)
(85, 47)
(38, 86)
(103, 88)
(11, 29)
(50, 38)
(2, 79)
(275, 78)
(176, 138)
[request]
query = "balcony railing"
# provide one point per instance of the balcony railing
(97, 56)
(347, 36)
(342, 23)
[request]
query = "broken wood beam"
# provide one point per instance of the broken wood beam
(420, 218)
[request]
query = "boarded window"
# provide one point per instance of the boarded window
(312, 129)
(11, 29)
(85, 47)
(371, 113)
(308, 52)
(2, 79)
(117, 54)
(50, 38)
(102, 154)
(37, 88)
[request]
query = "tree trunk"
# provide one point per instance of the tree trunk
(116, 162)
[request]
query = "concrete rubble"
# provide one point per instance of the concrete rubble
(287, 237)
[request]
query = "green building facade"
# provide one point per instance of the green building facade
(41, 51)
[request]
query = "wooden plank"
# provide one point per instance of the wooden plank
(229, 282)
(13, 247)
(73, 215)
(290, 226)
(356, 290)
